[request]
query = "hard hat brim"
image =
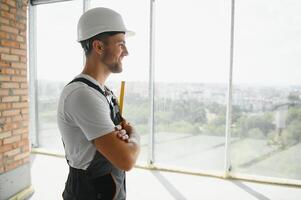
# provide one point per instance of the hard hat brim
(130, 33)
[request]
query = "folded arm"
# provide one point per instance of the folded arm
(122, 151)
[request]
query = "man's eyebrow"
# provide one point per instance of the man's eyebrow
(122, 41)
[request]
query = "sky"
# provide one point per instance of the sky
(192, 41)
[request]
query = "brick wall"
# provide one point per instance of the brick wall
(14, 139)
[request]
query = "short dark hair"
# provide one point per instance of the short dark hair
(87, 44)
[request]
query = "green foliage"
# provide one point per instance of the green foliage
(256, 133)
(294, 130)
(210, 129)
(216, 108)
(190, 110)
(189, 115)
(178, 127)
(264, 124)
(294, 113)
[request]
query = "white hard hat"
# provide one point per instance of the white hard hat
(99, 20)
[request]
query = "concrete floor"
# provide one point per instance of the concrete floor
(49, 174)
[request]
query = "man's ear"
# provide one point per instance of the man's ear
(98, 46)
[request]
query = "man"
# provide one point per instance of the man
(99, 144)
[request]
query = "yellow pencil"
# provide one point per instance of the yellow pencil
(121, 97)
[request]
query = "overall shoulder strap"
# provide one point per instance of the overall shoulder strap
(115, 114)
(89, 83)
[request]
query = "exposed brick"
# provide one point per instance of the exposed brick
(23, 46)
(4, 7)
(12, 165)
(23, 20)
(9, 29)
(6, 14)
(12, 139)
(24, 85)
(20, 118)
(21, 156)
(10, 126)
(14, 142)
(7, 70)
(12, 152)
(20, 91)
(8, 43)
(4, 35)
(23, 59)
(24, 142)
(20, 38)
(4, 64)
(17, 71)
(5, 148)
(9, 57)
(19, 52)
(24, 136)
(4, 49)
(10, 85)
(5, 134)
(4, 78)
(19, 26)
(24, 111)
(24, 98)
(17, 118)
(22, 13)
(5, 121)
(5, 106)
(10, 99)
(19, 79)
(26, 160)
(7, 113)
(23, 72)
(19, 65)
(10, 2)
(23, 33)
(3, 92)
(20, 131)
(13, 10)
(20, 105)
(25, 4)
(23, 124)
(4, 21)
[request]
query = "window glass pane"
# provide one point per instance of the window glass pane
(135, 14)
(266, 123)
(59, 59)
(192, 42)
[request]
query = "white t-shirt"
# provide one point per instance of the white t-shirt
(83, 115)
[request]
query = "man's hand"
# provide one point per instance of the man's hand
(119, 147)
(122, 133)
(131, 132)
(127, 132)
(127, 127)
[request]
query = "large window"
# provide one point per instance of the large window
(59, 59)
(191, 82)
(191, 75)
(266, 117)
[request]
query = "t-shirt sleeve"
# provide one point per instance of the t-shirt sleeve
(90, 112)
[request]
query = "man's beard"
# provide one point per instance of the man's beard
(115, 67)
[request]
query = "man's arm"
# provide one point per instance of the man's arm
(121, 153)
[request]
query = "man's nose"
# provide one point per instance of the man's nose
(125, 51)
